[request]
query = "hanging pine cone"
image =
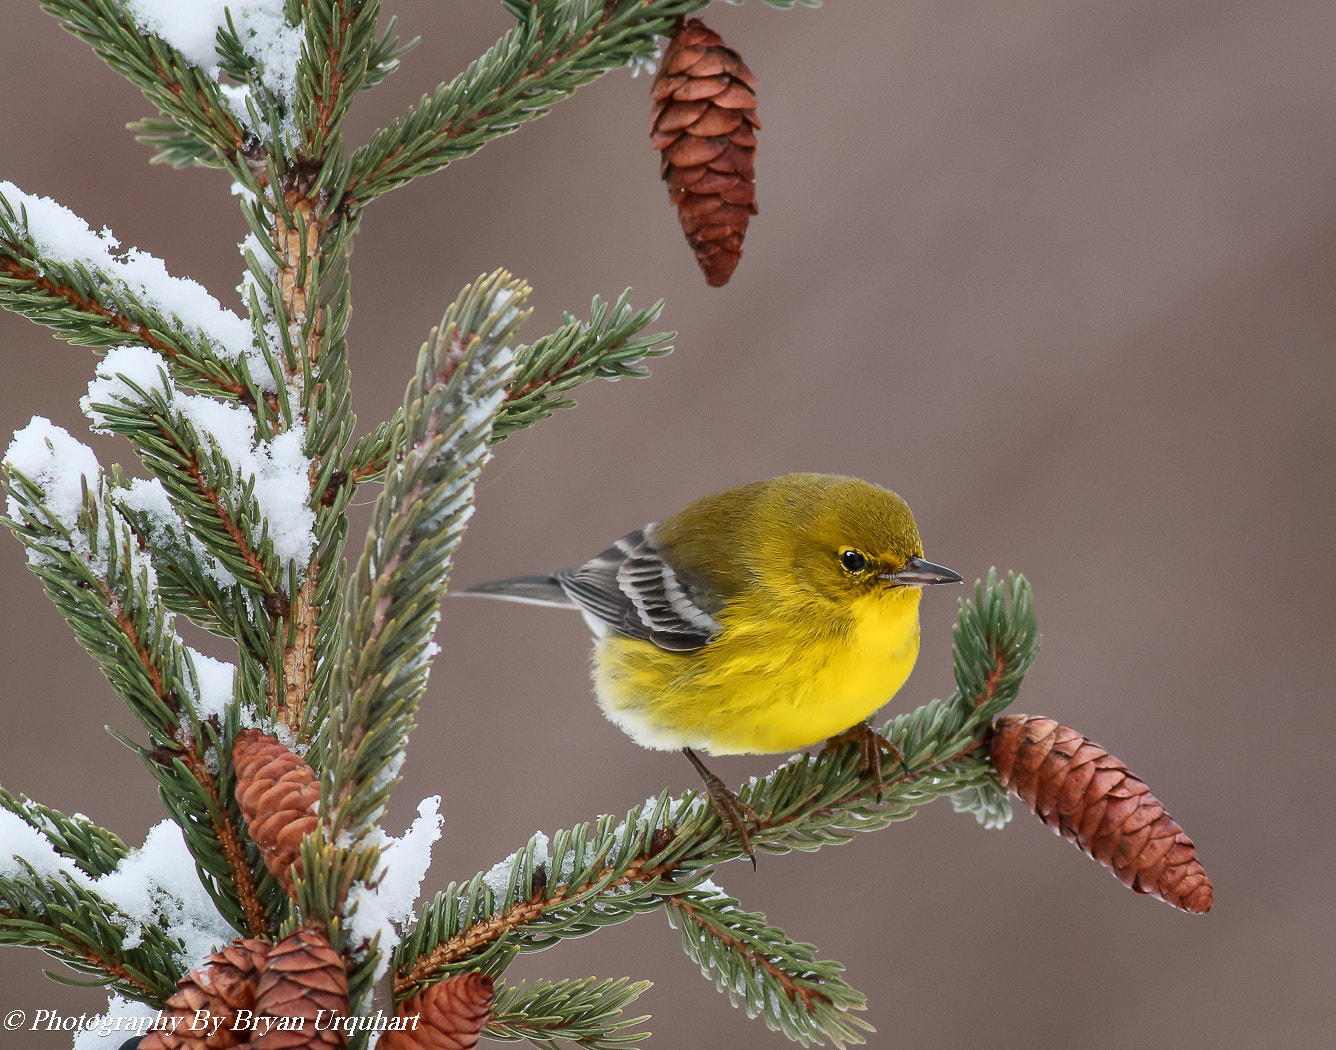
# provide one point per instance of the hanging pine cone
(277, 793)
(304, 978)
(1091, 799)
(704, 122)
(222, 987)
(452, 1013)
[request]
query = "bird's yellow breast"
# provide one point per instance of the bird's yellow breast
(767, 683)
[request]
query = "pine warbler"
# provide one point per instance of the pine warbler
(760, 619)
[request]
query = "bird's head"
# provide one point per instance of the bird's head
(818, 539)
(851, 539)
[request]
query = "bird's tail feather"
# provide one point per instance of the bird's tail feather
(535, 590)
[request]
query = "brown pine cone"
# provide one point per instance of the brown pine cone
(1091, 799)
(303, 978)
(704, 122)
(451, 1014)
(223, 986)
(277, 793)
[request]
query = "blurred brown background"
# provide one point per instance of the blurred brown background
(1059, 273)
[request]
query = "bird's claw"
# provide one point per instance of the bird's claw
(871, 746)
(734, 814)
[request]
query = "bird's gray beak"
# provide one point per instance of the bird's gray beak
(920, 573)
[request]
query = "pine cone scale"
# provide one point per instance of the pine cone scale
(303, 977)
(688, 150)
(674, 116)
(716, 121)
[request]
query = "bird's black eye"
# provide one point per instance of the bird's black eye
(852, 561)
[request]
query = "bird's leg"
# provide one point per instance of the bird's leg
(871, 746)
(733, 812)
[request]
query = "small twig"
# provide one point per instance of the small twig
(190, 757)
(114, 970)
(252, 560)
(256, 922)
(796, 992)
(117, 320)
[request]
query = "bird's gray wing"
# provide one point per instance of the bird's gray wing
(635, 592)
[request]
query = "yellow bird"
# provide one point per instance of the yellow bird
(760, 619)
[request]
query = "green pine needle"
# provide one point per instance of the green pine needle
(766, 973)
(586, 1011)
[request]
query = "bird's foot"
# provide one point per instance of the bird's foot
(733, 813)
(871, 746)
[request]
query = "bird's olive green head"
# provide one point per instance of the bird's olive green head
(833, 538)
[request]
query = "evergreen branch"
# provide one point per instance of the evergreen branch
(171, 145)
(340, 45)
(102, 301)
(28, 288)
(987, 800)
(298, 288)
(183, 93)
(94, 849)
(371, 454)
(59, 915)
(386, 55)
(805, 998)
(92, 569)
(191, 581)
(602, 347)
(665, 849)
(206, 456)
(586, 1011)
(586, 878)
(330, 871)
(298, 291)
(417, 522)
(558, 48)
(209, 819)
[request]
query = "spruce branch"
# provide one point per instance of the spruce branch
(604, 347)
(417, 522)
(586, 1011)
(171, 145)
(128, 924)
(368, 458)
(183, 93)
(300, 302)
(95, 850)
(191, 581)
(557, 48)
(70, 921)
(585, 878)
(99, 300)
(92, 569)
(201, 802)
(805, 998)
(341, 45)
(178, 438)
